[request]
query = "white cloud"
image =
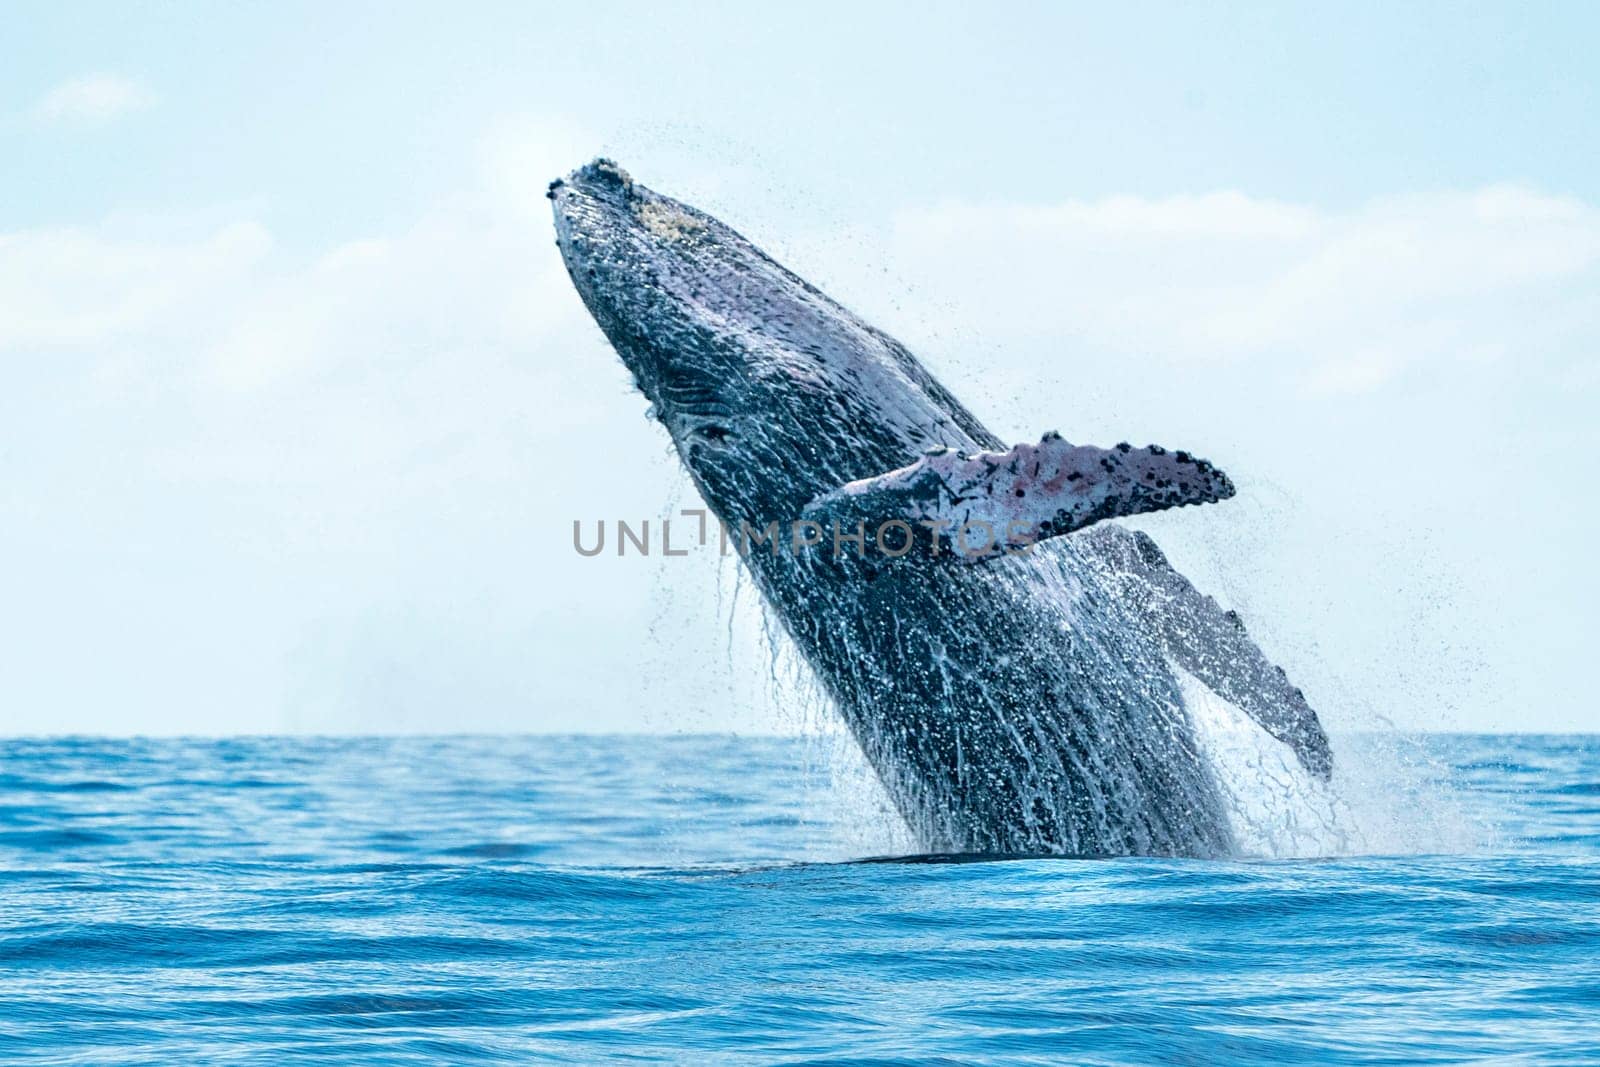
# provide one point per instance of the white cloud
(93, 98)
(1347, 299)
(478, 272)
(86, 288)
(378, 447)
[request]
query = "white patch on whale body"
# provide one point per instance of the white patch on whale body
(667, 221)
(1276, 807)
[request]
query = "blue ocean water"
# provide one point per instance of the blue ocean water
(690, 899)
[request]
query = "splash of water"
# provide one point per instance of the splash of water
(1385, 798)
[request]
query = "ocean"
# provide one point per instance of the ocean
(717, 899)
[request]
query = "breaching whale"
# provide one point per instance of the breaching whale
(1016, 693)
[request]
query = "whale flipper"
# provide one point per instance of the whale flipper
(1211, 643)
(989, 504)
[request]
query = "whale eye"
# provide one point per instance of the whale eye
(712, 432)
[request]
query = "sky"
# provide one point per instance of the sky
(302, 408)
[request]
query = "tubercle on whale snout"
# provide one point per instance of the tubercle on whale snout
(601, 174)
(606, 171)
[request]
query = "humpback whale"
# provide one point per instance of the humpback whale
(1017, 691)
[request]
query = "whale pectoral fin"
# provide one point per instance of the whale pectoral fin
(1211, 643)
(991, 504)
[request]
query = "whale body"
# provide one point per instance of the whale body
(1017, 696)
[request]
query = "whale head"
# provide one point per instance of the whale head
(772, 393)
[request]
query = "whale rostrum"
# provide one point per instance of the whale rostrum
(1016, 681)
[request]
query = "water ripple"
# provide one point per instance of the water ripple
(700, 900)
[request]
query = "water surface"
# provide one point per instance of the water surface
(683, 899)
